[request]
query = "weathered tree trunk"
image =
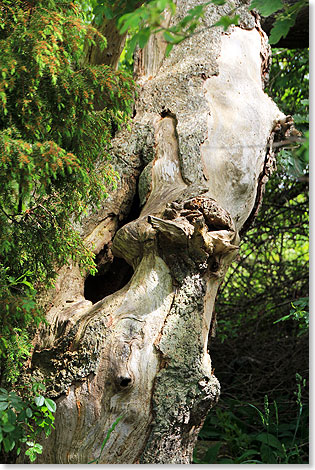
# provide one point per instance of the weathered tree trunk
(197, 156)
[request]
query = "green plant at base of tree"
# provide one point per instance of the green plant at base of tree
(236, 437)
(23, 420)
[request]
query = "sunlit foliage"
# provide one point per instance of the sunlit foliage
(56, 121)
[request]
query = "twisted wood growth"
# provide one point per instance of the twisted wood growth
(194, 156)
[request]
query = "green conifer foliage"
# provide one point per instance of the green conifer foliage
(56, 121)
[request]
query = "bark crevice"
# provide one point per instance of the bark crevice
(108, 280)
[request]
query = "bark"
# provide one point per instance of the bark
(94, 55)
(191, 167)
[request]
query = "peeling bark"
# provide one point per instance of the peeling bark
(195, 154)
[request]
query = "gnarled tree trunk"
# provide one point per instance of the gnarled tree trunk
(132, 342)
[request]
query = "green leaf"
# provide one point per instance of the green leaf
(169, 47)
(266, 7)
(11, 417)
(227, 21)
(269, 439)
(172, 38)
(131, 47)
(286, 317)
(108, 13)
(143, 37)
(247, 453)
(22, 416)
(38, 448)
(38, 386)
(8, 427)
(128, 21)
(32, 452)
(40, 400)
(8, 444)
(28, 284)
(161, 4)
(218, 2)
(267, 454)
(212, 453)
(111, 429)
(3, 405)
(196, 11)
(168, 37)
(280, 29)
(51, 405)
(259, 412)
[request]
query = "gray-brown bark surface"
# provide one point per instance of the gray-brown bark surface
(196, 155)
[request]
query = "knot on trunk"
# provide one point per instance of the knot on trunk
(199, 230)
(216, 218)
(193, 214)
(284, 129)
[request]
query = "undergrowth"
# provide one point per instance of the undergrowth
(242, 433)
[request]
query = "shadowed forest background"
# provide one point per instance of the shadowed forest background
(259, 339)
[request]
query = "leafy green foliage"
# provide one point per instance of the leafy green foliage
(284, 19)
(108, 9)
(289, 78)
(141, 21)
(56, 123)
(22, 421)
(240, 433)
(300, 313)
(267, 7)
(148, 19)
(18, 311)
(289, 85)
(226, 21)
